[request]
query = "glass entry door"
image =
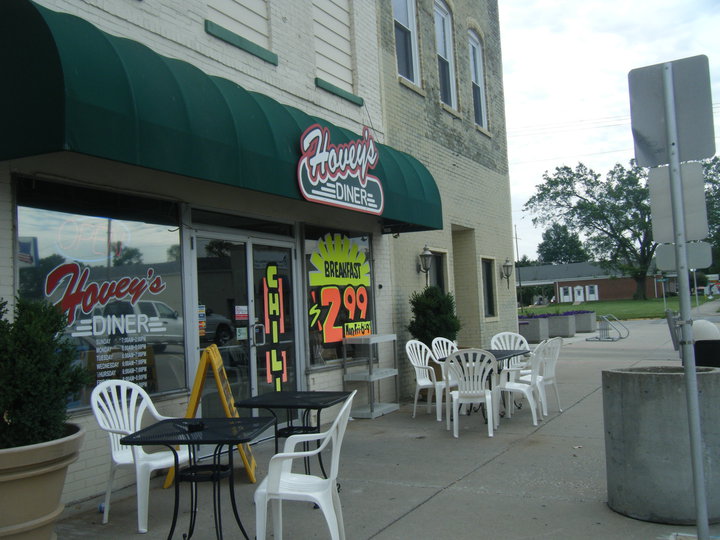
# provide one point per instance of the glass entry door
(246, 307)
(274, 327)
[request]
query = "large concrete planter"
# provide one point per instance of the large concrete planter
(586, 322)
(647, 445)
(31, 484)
(561, 325)
(533, 330)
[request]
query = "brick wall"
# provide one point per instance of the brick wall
(621, 288)
(469, 165)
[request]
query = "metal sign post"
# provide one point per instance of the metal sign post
(686, 342)
(671, 114)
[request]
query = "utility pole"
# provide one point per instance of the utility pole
(517, 257)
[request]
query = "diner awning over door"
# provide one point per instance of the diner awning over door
(67, 86)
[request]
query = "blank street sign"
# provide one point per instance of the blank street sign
(693, 185)
(699, 255)
(693, 111)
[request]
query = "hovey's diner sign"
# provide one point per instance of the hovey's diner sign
(340, 174)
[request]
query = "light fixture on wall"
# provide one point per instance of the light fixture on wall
(506, 270)
(425, 263)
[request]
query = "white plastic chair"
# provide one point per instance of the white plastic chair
(472, 369)
(509, 382)
(119, 407)
(420, 357)
(282, 484)
(442, 348)
(509, 340)
(549, 353)
(512, 341)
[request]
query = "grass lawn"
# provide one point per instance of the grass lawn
(622, 309)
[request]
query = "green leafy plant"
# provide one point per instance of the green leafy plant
(38, 374)
(433, 315)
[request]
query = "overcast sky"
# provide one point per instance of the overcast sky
(565, 65)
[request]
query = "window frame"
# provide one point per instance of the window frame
(443, 18)
(476, 56)
(411, 29)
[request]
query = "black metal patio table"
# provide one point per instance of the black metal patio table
(194, 432)
(304, 401)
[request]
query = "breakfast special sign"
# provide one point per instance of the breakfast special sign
(340, 174)
(340, 303)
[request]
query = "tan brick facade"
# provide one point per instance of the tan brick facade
(468, 164)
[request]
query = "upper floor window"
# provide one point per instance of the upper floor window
(406, 47)
(446, 64)
(477, 72)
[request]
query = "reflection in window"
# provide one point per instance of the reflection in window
(118, 285)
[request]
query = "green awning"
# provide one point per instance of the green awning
(67, 86)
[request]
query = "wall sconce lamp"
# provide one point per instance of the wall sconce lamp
(425, 263)
(506, 270)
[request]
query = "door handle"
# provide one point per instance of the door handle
(256, 327)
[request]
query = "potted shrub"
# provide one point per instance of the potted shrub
(38, 376)
(433, 315)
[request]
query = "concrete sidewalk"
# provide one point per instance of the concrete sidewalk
(409, 478)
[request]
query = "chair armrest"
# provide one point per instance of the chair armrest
(430, 371)
(118, 431)
(293, 440)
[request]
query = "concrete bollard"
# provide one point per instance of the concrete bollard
(647, 443)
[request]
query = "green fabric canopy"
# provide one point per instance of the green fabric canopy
(69, 86)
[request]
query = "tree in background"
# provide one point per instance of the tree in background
(173, 253)
(560, 246)
(613, 214)
(711, 169)
(526, 261)
(122, 255)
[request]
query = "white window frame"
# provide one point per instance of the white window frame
(477, 72)
(444, 45)
(411, 27)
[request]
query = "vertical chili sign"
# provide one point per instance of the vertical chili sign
(339, 289)
(274, 311)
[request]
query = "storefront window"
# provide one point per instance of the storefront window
(119, 282)
(339, 284)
